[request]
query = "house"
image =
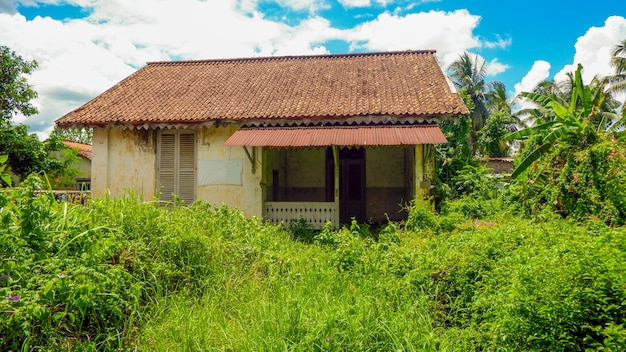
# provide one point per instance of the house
(83, 179)
(326, 137)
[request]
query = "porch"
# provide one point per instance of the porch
(338, 174)
(369, 184)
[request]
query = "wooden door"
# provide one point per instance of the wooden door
(352, 185)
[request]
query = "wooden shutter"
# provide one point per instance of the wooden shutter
(177, 166)
(167, 166)
(187, 167)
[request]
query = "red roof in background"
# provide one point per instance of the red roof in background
(397, 84)
(336, 135)
(84, 150)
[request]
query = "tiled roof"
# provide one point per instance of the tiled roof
(398, 84)
(84, 150)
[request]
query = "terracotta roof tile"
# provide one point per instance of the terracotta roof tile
(84, 150)
(409, 83)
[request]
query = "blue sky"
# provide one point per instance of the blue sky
(85, 46)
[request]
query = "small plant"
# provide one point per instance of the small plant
(421, 217)
(475, 181)
(301, 230)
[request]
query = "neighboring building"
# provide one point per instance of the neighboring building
(82, 181)
(329, 137)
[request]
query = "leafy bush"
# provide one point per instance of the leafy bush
(82, 277)
(124, 274)
(521, 287)
(301, 230)
(577, 183)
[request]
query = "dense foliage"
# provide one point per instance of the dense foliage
(573, 161)
(79, 135)
(25, 153)
(124, 274)
(15, 91)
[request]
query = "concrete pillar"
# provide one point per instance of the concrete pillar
(100, 161)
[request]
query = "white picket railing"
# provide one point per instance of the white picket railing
(317, 214)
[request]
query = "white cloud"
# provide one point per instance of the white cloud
(81, 58)
(495, 67)
(499, 43)
(539, 72)
(312, 6)
(355, 3)
(450, 33)
(6, 6)
(593, 49)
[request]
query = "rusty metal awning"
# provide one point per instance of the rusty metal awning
(322, 136)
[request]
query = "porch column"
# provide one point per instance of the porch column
(418, 173)
(424, 170)
(336, 198)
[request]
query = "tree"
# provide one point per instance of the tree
(80, 135)
(590, 112)
(451, 157)
(490, 140)
(574, 159)
(618, 80)
(15, 92)
(618, 59)
(25, 154)
(468, 72)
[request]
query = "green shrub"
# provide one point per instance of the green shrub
(578, 183)
(421, 218)
(79, 277)
(301, 230)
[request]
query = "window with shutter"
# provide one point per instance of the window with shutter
(177, 165)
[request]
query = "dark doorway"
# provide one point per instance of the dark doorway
(351, 183)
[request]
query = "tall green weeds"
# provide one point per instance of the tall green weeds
(123, 274)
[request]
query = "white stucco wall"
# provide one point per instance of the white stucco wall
(126, 160)
(123, 161)
(246, 196)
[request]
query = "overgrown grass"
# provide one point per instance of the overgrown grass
(126, 275)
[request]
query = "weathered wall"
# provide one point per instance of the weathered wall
(385, 177)
(123, 161)
(300, 175)
(306, 174)
(243, 191)
(84, 165)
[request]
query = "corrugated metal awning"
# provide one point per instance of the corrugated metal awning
(322, 136)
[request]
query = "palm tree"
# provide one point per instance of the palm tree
(618, 81)
(589, 113)
(618, 60)
(499, 123)
(468, 72)
(497, 100)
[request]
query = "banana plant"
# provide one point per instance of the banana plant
(588, 114)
